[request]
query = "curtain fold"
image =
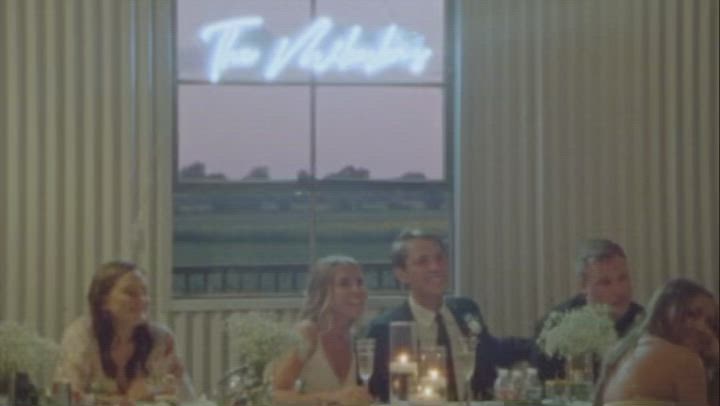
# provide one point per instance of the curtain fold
(584, 119)
(86, 124)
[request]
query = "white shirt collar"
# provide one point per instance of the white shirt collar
(423, 316)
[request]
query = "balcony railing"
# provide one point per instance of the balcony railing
(262, 280)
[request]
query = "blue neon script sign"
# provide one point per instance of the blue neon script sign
(320, 48)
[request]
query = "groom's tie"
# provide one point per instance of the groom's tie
(444, 339)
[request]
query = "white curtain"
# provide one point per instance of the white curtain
(582, 119)
(85, 151)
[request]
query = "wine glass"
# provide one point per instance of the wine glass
(365, 353)
(466, 358)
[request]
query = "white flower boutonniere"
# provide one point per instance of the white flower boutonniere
(473, 324)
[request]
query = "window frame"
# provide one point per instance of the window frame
(316, 186)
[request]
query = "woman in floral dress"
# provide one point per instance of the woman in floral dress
(116, 353)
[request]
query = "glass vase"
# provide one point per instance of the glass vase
(579, 374)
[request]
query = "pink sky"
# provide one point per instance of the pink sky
(388, 130)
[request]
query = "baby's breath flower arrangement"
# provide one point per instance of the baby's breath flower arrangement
(255, 341)
(22, 350)
(587, 330)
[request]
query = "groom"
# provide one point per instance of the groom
(420, 262)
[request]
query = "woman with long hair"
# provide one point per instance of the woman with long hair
(323, 370)
(116, 352)
(664, 361)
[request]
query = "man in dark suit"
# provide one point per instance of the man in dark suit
(420, 262)
(604, 278)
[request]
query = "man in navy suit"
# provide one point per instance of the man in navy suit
(420, 261)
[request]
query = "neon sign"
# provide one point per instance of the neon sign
(320, 48)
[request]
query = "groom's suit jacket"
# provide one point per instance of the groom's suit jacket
(491, 351)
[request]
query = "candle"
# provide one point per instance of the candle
(403, 365)
(434, 379)
(403, 358)
(427, 396)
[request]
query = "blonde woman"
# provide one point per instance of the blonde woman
(665, 360)
(323, 369)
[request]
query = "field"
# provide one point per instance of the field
(249, 237)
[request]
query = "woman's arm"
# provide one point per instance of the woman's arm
(174, 378)
(74, 364)
(690, 380)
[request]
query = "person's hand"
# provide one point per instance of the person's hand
(140, 390)
(167, 387)
(176, 367)
(704, 342)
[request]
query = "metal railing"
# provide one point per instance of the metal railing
(263, 280)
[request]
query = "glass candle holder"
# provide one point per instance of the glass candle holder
(403, 361)
(432, 371)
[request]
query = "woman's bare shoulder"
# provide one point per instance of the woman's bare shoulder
(658, 349)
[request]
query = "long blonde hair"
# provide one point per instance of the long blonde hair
(318, 296)
(667, 307)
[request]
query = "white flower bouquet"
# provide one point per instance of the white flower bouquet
(586, 330)
(22, 350)
(255, 341)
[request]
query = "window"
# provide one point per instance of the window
(306, 128)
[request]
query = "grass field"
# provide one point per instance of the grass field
(257, 237)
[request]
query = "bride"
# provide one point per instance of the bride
(664, 360)
(323, 370)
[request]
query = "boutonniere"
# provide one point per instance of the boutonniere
(473, 324)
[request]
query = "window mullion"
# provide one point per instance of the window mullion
(312, 246)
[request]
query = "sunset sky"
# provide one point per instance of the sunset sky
(389, 130)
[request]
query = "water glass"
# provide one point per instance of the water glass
(557, 391)
(365, 354)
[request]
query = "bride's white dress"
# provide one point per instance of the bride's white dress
(80, 364)
(317, 374)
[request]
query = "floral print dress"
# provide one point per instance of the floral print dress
(80, 364)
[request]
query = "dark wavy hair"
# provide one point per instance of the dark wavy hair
(103, 281)
(667, 311)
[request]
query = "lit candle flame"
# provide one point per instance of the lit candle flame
(403, 358)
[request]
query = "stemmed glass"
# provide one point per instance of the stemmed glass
(466, 357)
(365, 353)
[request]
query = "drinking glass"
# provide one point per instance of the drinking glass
(432, 377)
(365, 353)
(557, 391)
(466, 357)
(403, 365)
